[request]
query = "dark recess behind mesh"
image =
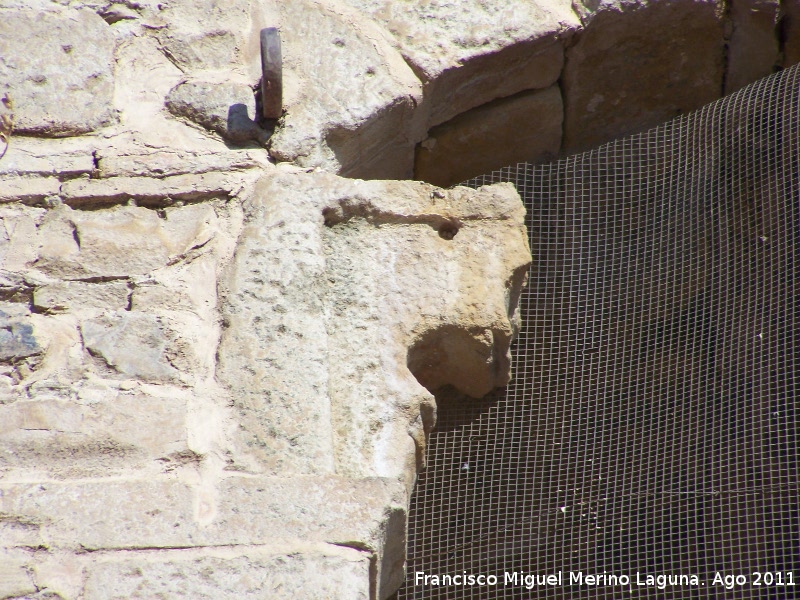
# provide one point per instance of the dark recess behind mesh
(651, 425)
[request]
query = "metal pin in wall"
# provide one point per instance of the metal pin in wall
(271, 73)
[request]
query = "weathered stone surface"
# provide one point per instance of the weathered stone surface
(116, 190)
(348, 95)
(17, 340)
(28, 156)
(120, 242)
(28, 189)
(166, 163)
(226, 108)
(524, 127)
(17, 237)
(65, 438)
(790, 32)
(132, 343)
(753, 46)
(307, 299)
(58, 68)
(304, 571)
(80, 297)
(637, 65)
(469, 53)
(15, 580)
(133, 513)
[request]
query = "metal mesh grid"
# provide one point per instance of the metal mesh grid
(651, 425)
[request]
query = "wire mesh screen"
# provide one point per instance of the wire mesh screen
(647, 445)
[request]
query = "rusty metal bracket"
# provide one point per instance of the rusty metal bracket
(271, 74)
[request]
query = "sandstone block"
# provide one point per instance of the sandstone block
(469, 53)
(226, 108)
(93, 192)
(26, 156)
(308, 572)
(120, 242)
(307, 300)
(64, 438)
(28, 189)
(524, 127)
(15, 580)
(132, 343)
(18, 239)
(753, 46)
(348, 97)
(163, 164)
(58, 68)
(637, 65)
(82, 297)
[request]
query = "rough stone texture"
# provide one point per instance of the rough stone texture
(789, 32)
(753, 45)
(525, 127)
(312, 573)
(218, 406)
(469, 53)
(373, 250)
(227, 108)
(57, 65)
(636, 65)
(348, 95)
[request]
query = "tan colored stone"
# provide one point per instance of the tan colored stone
(64, 438)
(158, 513)
(158, 164)
(303, 571)
(469, 53)
(28, 189)
(80, 297)
(18, 236)
(306, 305)
(348, 95)
(637, 65)
(15, 580)
(753, 46)
(524, 127)
(115, 190)
(60, 84)
(120, 242)
(28, 156)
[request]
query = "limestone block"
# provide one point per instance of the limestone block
(132, 343)
(15, 580)
(18, 245)
(28, 189)
(166, 163)
(58, 68)
(160, 513)
(204, 34)
(524, 127)
(348, 95)
(636, 65)
(753, 46)
(17, 340)
(120, 242)
(60, 438)
(307, 572)
(93, 192)
(428, 277)
(226, 108)
(469, 53)
(790, 32)
(28, 156)
(82, 297)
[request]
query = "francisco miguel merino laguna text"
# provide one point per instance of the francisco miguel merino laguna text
(532, 580)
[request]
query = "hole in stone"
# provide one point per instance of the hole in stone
(447, 231)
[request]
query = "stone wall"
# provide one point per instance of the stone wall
(216, 345)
